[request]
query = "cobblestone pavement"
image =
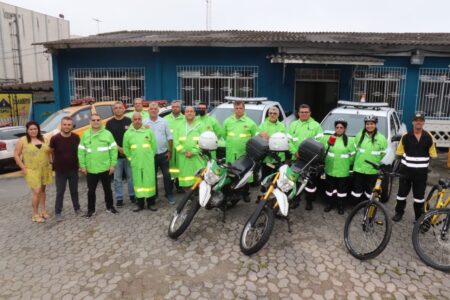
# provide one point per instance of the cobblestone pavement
(129, 256)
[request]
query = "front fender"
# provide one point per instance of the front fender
(282, 201)
(204, 193)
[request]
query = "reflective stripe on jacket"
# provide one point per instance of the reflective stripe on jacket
(302, 130)
(339, 157)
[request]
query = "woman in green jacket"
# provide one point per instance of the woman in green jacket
(370, 145)
(338, 160)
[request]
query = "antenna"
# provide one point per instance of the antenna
(208, 14)
(98, 24)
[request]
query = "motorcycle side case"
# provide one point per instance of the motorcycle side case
(257, 148)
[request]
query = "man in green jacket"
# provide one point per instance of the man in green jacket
(209, 123)
(238, 129)
(270, 126)
(138, 107)
(305, 127)
(186, 144)
(139, 146)
(97, 154)
(175, 119)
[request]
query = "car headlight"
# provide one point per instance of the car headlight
(210, 177)
(285, 184)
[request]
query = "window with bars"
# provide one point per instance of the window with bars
(211, 84)
(107, 84)
(380, 84)
(434, 93)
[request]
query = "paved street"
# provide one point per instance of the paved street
(129, 256)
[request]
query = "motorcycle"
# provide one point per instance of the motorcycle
(278, 190)
(219, 185)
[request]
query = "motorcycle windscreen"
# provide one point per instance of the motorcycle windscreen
(282, 201)
(204, 193)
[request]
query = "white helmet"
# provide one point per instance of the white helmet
(279, 142)
(208, 141)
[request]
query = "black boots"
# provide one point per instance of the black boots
(399, 210)
(140, 204)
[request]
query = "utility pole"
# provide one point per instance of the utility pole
(208, 14)
(98, 24)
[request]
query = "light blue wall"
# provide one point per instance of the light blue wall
(161, 77)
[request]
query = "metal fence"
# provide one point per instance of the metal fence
(434, 93)
(380, 84)
(211, 84)
(107, 84)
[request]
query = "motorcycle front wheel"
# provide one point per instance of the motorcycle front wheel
(181, 220)
(254, 238)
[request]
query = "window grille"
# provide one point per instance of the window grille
(211, 84)
(107, 84)
(434, 93)
(380, 84)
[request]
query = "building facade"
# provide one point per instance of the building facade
(408, 71)
(20, 59)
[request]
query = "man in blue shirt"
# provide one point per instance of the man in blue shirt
(164, 151)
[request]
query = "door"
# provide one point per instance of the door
(320, 96)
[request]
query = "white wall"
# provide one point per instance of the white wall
(33, 28)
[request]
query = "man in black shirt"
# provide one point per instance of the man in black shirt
(415, 149)
(117, 126)
(64, 146)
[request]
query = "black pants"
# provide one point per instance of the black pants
(61, 179)
(362, 185)
(417, 179)
(162, 163)
(92, 181)
(336, 189)
(266, 171)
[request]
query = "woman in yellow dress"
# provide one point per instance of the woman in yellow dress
(32, 155)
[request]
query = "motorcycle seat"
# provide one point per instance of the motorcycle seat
(241, 166)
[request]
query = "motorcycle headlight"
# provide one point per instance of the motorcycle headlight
(285, 184)
(210, 177)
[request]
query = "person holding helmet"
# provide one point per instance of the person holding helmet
(186, 144)
(370, 145)
(338, 159)
(415, 149)
(270, 126)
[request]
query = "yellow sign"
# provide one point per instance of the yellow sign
(15, 109)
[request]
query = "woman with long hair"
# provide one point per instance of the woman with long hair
(32, 155)
(370, 145)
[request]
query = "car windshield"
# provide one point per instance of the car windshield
(221, 113)
(52, 122)
(355, 123)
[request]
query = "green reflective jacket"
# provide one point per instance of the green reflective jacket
(139, 146)
(186, 139)
(174, 122)
(237, 132)
(272, 128)
(302, 130)
(97, 152)
(339, 157)
(368, 150)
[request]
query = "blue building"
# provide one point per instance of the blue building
(410, 71)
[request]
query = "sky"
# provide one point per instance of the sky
(273, 15)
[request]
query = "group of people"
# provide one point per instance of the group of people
(134, 146)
